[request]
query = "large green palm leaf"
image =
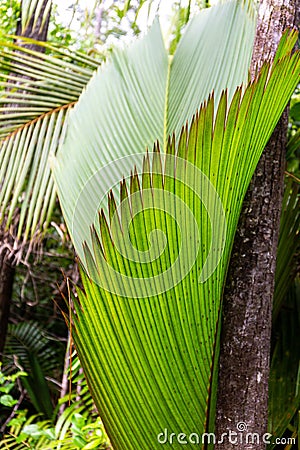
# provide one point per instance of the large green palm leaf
(143, 96)
(149, 344)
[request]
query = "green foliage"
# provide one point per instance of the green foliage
(76, 432)
(7, 383)
(158, 93)
(40, 356)
(9, 14)
(284, 384)
(77, 427)
(96, 28)
(180, 18)
(288, 245)
(293, 148)
(48, 87)
(59, 33)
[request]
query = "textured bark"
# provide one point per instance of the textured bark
(37, 31)
(247, 311)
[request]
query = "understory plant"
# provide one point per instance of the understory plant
(75, 423)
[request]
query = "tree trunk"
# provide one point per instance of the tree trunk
(247, 310)
(37, 31)
(37, 28)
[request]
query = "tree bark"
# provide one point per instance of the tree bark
(37, 31)
(242, 405)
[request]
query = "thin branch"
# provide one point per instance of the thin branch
(292, 176)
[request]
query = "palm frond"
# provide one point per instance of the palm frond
(35, 83)
(37, 92)
(146, 326)
(26, 433)
(142, 96)
(39, 357)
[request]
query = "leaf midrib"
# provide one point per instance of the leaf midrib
(166, 108)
